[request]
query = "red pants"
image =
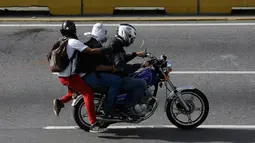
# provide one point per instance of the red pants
(78, 85)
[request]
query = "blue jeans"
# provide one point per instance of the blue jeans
(135, 88)
(107, 80)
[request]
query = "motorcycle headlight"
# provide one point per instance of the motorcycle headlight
(169, 66)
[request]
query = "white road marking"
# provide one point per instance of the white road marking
(60, 127)
(134, 24)
(209, 72)
(157, 126)
(212, 72)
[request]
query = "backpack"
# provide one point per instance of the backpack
(57, 56)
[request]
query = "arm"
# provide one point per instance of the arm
(105, 68)
(121, 64)
(129, 57)
(76, 44)
(97, 51)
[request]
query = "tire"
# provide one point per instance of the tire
(205, 104)
(80, 122)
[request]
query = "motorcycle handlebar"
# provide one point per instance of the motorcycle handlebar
(152, 57)
(149, 55)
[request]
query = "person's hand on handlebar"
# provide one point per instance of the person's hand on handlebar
(141, 54)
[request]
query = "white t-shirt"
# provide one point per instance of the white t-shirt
(72, 45)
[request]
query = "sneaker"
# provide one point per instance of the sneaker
(57, 106)
(97, 128)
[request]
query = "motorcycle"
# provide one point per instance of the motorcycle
(157, 74)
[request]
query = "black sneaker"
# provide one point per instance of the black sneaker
(97, 128)
(57, 106)
(110, 113)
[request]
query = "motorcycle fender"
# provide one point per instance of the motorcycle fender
(185, 88)
(75, 101)
(179, 89)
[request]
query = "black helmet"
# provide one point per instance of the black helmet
(68, 29)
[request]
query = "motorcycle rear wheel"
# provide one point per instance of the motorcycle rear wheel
(77, 110)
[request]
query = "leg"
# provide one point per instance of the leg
(136, 90)
(59, 103)
(107, 80)
(68, 96)
(78, 85)
(135, 87)
(114, 83)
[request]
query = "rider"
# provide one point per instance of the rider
(124, 37)
(73, 80)
(98, 73)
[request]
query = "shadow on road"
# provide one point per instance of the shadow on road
(174, 135)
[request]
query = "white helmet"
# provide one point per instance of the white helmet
(127, 32)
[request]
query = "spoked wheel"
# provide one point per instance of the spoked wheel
(175, 109)
(81, 116)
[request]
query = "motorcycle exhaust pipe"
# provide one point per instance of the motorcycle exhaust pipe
(117, 120)
(110, 120)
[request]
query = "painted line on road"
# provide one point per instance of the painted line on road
(156, 126)
(134, 24)
(209, 72)
(60, 127)
(212, 72)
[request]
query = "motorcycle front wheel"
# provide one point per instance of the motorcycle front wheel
(170, 108)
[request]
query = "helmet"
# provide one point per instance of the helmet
(98, 32)
(127, 33)
(68, 28)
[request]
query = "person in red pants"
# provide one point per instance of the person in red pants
(73, 80)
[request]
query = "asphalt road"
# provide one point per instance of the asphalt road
(27, 87)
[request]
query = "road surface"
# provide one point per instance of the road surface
(27, 87)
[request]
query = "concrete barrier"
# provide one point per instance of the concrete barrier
(62, 7)
(14, 3)
(171, 6)
(250, 3)
(223, 6)
(90, 7)
(56, 7)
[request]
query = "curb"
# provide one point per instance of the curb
(86, 19)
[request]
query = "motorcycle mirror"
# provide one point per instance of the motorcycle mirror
(163, 57)
(142, 44)
(145, 51)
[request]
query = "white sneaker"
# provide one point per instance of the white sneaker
(95, 128)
